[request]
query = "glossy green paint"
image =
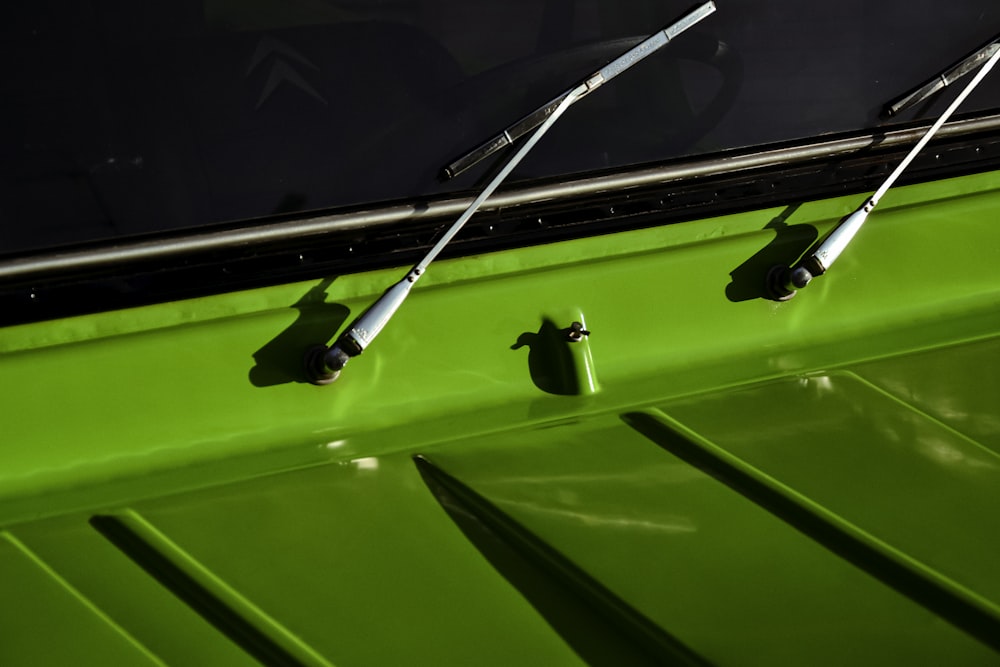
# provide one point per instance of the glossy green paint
(729, 579)
(298, 510)
(909, 484)
(353, 563)
(172, 385)
(46, 621)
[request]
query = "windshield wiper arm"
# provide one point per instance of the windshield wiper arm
(941, 81)
(645, 48)
(323, 364)
(782, 282)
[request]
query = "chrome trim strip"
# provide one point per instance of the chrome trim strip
(38, 266)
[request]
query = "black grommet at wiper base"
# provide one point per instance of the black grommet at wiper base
(323, 364)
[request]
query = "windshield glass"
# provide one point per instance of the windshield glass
(123, 118)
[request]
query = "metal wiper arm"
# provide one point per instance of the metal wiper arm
(645, 48)
(941, 81)
(782, 282)
(323, 364)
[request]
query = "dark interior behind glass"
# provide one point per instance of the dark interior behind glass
(123, 118)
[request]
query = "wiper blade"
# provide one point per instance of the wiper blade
(323, 364)
(941, 81)
(782, 282)
(645, 48)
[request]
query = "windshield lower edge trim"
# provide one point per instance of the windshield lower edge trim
(53, 263)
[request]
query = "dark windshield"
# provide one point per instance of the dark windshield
(122, 118)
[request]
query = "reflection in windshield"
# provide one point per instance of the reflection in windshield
(120, 119)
